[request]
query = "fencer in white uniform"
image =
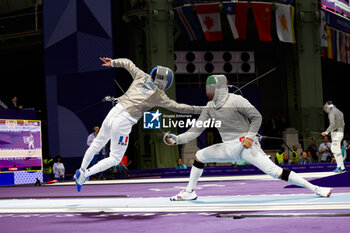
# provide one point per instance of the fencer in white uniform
(240, 122)
(144, 93)
(336, 128)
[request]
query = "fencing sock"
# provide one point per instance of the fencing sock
(103, 165)
(194, 176)
(300, 181)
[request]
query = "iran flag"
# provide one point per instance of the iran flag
(209, 17)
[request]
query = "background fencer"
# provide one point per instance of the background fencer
(240, 122)
(336, 128)
(145, 92)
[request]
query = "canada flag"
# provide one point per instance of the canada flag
(209, 18)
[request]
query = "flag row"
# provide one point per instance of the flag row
(336, 45)
(209, 19)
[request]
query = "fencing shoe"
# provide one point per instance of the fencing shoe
(79, 178)
(323, 192)
(184, 196)
(339, 170)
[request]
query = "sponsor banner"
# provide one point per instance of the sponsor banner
(157, 120)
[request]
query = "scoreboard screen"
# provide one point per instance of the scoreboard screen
(20, 145)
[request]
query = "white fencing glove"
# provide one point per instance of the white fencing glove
(170, 139)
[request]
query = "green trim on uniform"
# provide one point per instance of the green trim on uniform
(211, 80)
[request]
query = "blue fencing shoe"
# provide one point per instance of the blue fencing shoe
(79, 178)
(339, 170)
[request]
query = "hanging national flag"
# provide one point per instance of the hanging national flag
(347, 47)
(323, 33)
(342, 47)
(338, 45)
(334, 43)
(330, 42)
(285, 23)
(188, 23)
(323, 52)
(262, 14)
(230, 10)
(209, 17)
(241, 19)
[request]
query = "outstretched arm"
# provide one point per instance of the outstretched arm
(174, 106)
(125, 63)
(192, 133)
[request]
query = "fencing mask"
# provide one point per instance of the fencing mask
(162, 77)
(217, 90)
(328, 106)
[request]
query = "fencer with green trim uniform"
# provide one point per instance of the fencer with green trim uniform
(336, 128)
(144, 93)
(240, 122)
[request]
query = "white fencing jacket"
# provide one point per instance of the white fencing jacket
(143, 95)
(238, 117)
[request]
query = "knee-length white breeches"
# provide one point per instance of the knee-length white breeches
(337, 136)
(336, 142)
(234, 151)
(116, 127)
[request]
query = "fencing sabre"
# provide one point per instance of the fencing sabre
(257, 78)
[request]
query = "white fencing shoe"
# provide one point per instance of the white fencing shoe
(184, 196)
(323, 192)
